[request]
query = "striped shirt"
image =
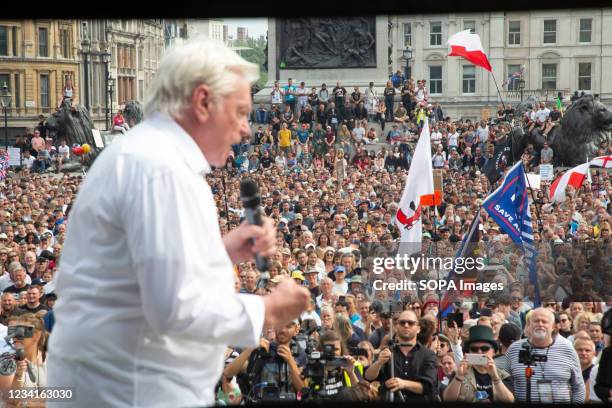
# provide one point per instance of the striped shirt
(562, 369)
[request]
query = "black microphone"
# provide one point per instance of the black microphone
(249, 194)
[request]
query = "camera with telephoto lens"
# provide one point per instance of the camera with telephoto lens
(319, 362)
(20, 332)
(528, 358)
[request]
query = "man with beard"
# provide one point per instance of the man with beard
(415, 366)
(8, 305)
(559, 378)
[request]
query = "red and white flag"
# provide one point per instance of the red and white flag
(419, 182)
(573, 177)
(602, 161)
(467, 45)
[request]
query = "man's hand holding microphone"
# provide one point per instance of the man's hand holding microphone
(256, 238)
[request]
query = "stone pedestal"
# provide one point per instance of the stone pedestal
(314, 77)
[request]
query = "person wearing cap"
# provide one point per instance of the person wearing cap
(270, 362)
(33, 297)
(312, 281)
(356, 284)
(340, 284)
(298, 276)
(480, 383)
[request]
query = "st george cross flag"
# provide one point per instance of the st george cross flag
(419, 182)
(573, 177)
(602, 161)
(467, 45)
(509, 207)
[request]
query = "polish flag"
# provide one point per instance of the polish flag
(573, 177)
(602, 161)
(467, 45)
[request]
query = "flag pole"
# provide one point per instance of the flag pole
(535, 203)
(498, 92)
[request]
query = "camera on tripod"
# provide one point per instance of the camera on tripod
(528, 358)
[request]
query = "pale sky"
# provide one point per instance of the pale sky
(256, 26)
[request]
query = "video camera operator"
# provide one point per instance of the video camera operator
(331, 373)
(274, 369)
(548, 366)
(415, 366)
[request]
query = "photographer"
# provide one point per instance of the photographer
(339, 372)
(275, 365)
(30, 345)
(415, 366)
(479, 382)
(553, 362)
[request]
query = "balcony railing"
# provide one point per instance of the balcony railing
(541, 94)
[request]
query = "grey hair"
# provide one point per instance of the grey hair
(198, 62)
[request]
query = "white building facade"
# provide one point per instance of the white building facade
(551, 51)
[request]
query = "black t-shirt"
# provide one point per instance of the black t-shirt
(266, 162)
(555, 115)
(484, 387)
(389, 92)
(38, 308)
(314, 292)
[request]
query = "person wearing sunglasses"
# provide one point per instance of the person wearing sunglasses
(483, 382)
(415, 365)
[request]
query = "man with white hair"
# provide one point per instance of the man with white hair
(138, 321)
(559, 378)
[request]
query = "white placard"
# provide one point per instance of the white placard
(14, 156)
(546, 172)
(97, 138)
(534, 180)
(30, 104)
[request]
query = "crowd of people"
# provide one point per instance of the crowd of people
(331, 180)
(331, 166)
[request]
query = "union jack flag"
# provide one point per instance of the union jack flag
(4, 164)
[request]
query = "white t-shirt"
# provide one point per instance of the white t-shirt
(64, 151)
(436, 137)
(453, 139)
(277, 97)
(340, 289)
(359, 133)
(28, 161)
(542, 114)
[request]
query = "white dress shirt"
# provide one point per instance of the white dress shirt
(146, 303)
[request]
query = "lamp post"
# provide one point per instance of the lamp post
(106, 58)
(86, 50)
(111, 89)
(407, 54)
(5, 101)
(521, 86)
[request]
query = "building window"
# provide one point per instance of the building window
(435, 79)
(3, 40)
(470, 25)
(514, 33)
(44, 91)
(6, 79)
(140, 65)
(469, 79)
(435, 33)
(140, 89)
(514, 77)
(550, 31)
(43, 42)
(65, 42)
(584, 76)
(407, 35)
(586, 26)
(549, 76)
